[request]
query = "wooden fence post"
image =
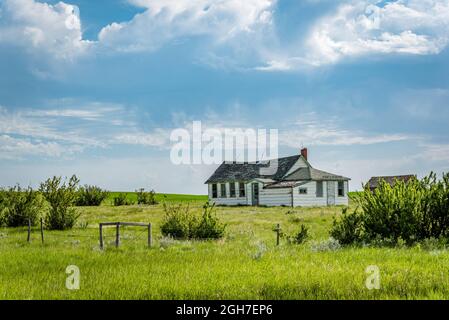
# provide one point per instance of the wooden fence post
(117, 235)
(29, 230)
(150, 236)
(101, 236)
(278, 234)
(42, 231)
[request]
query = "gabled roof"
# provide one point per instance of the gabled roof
(309, 173)
(374, 182)
(229, 171)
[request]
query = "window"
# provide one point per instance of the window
(214, 191)
(223, 190)
(319, 189)
(341, 188)
(232, 190)
(302, 190)
(242, 193)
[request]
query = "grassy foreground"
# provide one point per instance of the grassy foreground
(246, 264)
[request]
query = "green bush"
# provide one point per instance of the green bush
(180, 223)
(61, 197)
(18, 206)
(208, 226)
(405, 213)
(146, 198)
(348, 229)
(299, 237)
(122, 200)
(91, 196)
(435, 207)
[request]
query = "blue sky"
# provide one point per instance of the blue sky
(95, 87)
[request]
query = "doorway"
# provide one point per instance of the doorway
(331, 193)
(255, 197)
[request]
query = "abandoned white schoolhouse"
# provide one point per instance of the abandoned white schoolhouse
(295, 183)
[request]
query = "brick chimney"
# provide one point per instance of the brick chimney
(304, 153)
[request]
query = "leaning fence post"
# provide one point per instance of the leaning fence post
(150, 236)
(101, 236)
(29, 230)
(117, 235)
(42, 231)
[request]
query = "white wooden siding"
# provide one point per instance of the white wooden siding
(310, 199)
(280, 197)
(276, 197)
(342, 201)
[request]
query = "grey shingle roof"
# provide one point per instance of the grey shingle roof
(313, 174)
(374, 182)
(229, 172)
(248, 171)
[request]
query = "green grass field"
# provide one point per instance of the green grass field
(246, 264)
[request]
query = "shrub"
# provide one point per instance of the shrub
(301, 236)
(403, 214)
(122, 200)
(348, 229)
(146, 198)
(208, 226)
(18, 205)
(392, 212)
(435, 207)
(91, 196)
(327, 245)
(180, 223)
(61, 197)
(297, 238)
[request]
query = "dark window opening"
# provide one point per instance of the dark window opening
(232, 189)
(214, 191)
(302, 190)
(242, 193)
(341, 188)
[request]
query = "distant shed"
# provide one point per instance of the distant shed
(374, 182)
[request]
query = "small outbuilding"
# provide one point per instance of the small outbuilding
(374, 182)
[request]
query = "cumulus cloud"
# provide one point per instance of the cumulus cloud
(166, 20)
(374, 27)
(41, 27)
(236, 34)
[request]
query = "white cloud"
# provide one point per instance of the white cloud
(40, 27)
(315, 131)
(166, 20)
(157, 138)
(371, 27)
(17, 148)
(434, 152)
